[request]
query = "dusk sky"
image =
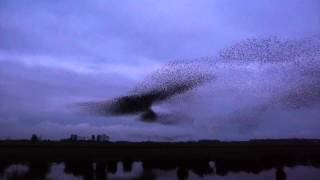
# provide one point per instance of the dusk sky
(55, 54)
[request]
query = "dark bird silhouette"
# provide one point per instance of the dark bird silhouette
(170, 81)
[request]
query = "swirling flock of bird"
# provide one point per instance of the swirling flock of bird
(301, 55)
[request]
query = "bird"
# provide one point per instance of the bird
(166, 83)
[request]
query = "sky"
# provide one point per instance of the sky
(54, 54)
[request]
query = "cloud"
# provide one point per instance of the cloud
(111, 31)
(238, 103)
(71, 64)
(53, 54)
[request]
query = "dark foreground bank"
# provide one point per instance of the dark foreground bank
(94, 160)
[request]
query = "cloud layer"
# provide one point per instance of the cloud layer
(55, 54)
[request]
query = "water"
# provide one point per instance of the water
(78, 170)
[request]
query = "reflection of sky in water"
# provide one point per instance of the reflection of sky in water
(56, 172)
(136, 169)
(15, 171)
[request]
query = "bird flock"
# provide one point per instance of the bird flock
(300, 58)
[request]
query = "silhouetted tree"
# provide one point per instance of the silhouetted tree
(38, 170)
(280, 174)
(101, 173)
(112, 167)
(83, 168)
(127, 165)
(146, 175)
(34, 138)
(3, 165)
(182, 173)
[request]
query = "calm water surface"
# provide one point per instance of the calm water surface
(137, 171)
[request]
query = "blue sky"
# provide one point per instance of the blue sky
(56, 53)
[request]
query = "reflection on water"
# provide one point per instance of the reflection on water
(151, 170)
